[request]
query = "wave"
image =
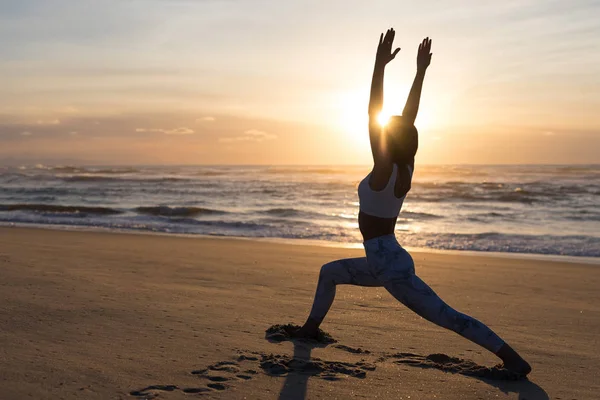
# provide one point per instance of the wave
(578, 169)
(50, 208)
(583, 215)
(419, 215)
(571, 245)
(471, 199)
(291, 212)
(536, 187)
(124, 179)
(113, 171)
(72, 169)
(470, 195)
(275, 221)
(89, 178)
(211, 173)
(166, 211)
(237, 225)
(285, 212)
(309, 170)
(185, 226)
(296, 213)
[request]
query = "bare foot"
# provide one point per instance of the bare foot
(513, 361)
(305, 332)
(309, 330)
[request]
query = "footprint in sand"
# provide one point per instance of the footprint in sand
(280, 333)
(351, 349)
(281, 365)
(217, 377)
(222, 375)
(453, 365)
(154, 391)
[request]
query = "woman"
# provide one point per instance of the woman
(381, 195)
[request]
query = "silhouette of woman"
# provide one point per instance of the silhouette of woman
(381, 194)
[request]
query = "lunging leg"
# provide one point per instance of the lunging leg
(410, 290)
(348, 271)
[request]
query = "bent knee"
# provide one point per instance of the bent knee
(408, 262)
(334, 273)
(328, 270)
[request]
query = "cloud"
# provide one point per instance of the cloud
(73, 133)
(549, 133)
(206, 119)
(260, 134)
(176, 131)
(48, 121)
(179, 131)
(250, 135)
(26, 133)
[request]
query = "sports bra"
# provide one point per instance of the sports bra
(381, 203)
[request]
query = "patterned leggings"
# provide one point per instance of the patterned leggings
(387, 264)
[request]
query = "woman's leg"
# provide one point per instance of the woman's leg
(411, 291)
(402, 282)
(348, 271)
(420, 298)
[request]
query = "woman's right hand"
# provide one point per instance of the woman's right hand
(384, 50)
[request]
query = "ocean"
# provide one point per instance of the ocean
(551, 210)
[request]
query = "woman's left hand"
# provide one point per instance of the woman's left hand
(384, 50)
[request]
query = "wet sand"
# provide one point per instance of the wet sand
(92, 315)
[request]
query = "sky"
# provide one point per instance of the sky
(287, 82)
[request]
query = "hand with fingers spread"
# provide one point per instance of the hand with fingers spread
(384, 50)
(424, 54)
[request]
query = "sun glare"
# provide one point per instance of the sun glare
(383, 118)
(353, 118)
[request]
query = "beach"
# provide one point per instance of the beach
(102, 315)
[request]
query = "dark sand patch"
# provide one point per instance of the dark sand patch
(351, 349)
(152, 391)
(218, 377)
(246, 357)
(217, 386)
(454, 365)
(280, 365)
(226, 367)
(199, 371)
(196, 390)
(280, 333)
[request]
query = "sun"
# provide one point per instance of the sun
(383, 118)
(353, 119)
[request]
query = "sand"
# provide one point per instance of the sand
(93, 315)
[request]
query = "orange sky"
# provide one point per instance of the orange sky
(266, 82)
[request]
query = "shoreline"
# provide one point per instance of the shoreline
(309, 242)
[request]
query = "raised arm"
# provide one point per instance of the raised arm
(409, 115)
(383, 57)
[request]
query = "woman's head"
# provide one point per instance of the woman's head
(402, 140)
